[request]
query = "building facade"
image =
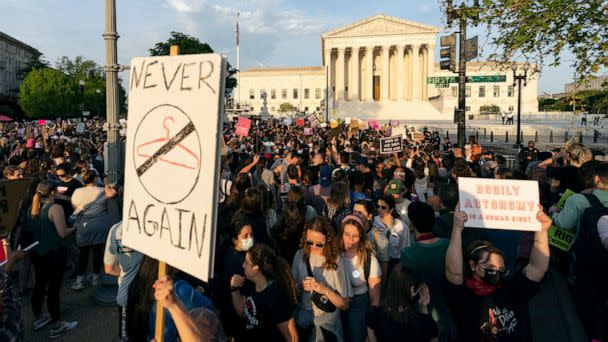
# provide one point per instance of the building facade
(596, 83)
(14, 55)
(384, 68)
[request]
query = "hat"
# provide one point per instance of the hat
(395, 187)
(325, 179)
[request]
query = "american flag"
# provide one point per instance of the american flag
(237, 28)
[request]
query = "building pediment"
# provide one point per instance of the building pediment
(381, 25)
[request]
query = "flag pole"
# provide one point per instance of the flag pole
(238, 62)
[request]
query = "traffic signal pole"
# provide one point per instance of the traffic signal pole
(462, 77)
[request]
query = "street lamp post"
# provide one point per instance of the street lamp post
(98, 92)
(518, 78)
(81, 83)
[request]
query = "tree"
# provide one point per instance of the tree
(47, 93)
(489, 109)
(36, 61)
(537, 30)
(191, 45)
(94, 77)
(286, 107)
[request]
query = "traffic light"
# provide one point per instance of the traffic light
(448, 53)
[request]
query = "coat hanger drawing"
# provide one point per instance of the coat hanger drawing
(194, 159)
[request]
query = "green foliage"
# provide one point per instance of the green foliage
(191, 45)
(47, 93)
(540, 30)
(286, 107)
(592, 101)
(489, 109)
(34, 62)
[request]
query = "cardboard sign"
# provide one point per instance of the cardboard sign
(172, 159)
(391, 145)
(307, 131)
(80, 127)
(12, 193)
(333, 123)
(500, 203)
(313, 120)
(300, 122)
(242, 127)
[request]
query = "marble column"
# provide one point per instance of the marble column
(353, 88)
(369, 54)
(329, 69)
(384, 93)
(340, 74)
(400, 73)
(431, 64)
(416, 88)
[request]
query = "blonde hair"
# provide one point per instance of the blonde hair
(579, 153)
(43, 191)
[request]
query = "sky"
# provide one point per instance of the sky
(272, 32)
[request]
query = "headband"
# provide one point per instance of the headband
(478, 248)
(354, 218)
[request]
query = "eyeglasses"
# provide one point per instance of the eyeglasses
(317, 244)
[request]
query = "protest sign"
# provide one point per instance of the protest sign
(558, 237)
(12, 193)
(391, 145)
(307, 131)
(313, 120)
(373, 124)
(300, 122)
(499, 203)
(287, 121)
(394, 123)
(242, 127)
(41, 122)
(399, 131)
(80, 127)
(333, 123)
(172, 159)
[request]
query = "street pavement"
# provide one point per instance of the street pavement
(552, 312)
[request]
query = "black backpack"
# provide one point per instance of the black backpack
(588, 248)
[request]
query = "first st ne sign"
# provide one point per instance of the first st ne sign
(172, 156)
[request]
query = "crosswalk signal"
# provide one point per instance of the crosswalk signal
(448, 53)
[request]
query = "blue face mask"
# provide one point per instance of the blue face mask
(246, 244)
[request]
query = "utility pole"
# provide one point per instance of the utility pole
(463, 13)
(114, 161)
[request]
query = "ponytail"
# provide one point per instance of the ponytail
(36, 205)
(273, 267)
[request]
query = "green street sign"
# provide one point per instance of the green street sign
(470, 79)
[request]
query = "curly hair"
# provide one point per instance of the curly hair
(330, 251)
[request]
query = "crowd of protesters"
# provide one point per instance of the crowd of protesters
(320, 237)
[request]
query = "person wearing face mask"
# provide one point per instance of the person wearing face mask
(241, 237)
(486, 304)
(267, 301)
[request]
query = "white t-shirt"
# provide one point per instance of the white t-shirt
(356, 272)
(602, 228)
(85, 195)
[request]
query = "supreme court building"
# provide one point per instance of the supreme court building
(383, 68)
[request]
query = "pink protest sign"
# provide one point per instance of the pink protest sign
(41, 122)
(307, 131)
(242, 127)
(373, 124)
(394, 123)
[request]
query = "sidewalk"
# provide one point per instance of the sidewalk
(95, 323)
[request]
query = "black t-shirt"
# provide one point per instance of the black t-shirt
(264, 311)
(67, 189)
(569, 177)
(233, 264)
(500, 316)
(421, 328)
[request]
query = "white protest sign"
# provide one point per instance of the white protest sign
(80, 127)
(171, 167)
(499, 203)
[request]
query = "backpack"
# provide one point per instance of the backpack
(590, 253)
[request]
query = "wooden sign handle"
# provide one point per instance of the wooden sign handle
(159, 335)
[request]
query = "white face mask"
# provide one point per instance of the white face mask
(246, 244)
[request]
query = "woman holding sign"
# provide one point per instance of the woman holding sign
(486, 304)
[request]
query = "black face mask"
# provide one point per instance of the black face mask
(493, 277)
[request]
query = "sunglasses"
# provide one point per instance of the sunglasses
(382, 207)
(63, 175)
(491, 270)
(317, 244)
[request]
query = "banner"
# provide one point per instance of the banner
(12, 193)
(499, 203)
(391, 145)
(172, 159)
(242, 127)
